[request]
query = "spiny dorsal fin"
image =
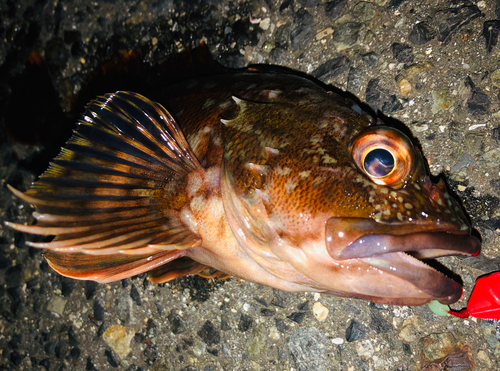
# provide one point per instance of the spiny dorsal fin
(106, 193)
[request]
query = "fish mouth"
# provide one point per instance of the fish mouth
(399, 250)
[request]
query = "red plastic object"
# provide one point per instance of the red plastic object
(484, 301)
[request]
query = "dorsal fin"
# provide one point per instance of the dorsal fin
(108, 191)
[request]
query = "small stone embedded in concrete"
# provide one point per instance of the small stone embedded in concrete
(442, 100)
(134, 294)
(245, 323)
(495, 78)
(257, 342)
(56, 305)
(332, 68)
(438, 346)
(355, 80)
(320, 311)
(405, 87)
(209, 334)
(177, 323)
(346, 35)
(297, 316)
(118, 338)
(280, 298)
(451, 20)
(334, 9)
(267, 312)
(281, 35)
(98, 311)
(422, 33)
(363, 11)
(90, 289)
(378, 323)
(355, 331)
(303, 17)
(111, 360)
(225, 323)
(301, 36)
(490, 33)
(281, 325)
(478, 103)
(378, 97)
(365, 349)
(309, 3)
(371, 59)
(307, 348)
(403, 53)
(392, 104)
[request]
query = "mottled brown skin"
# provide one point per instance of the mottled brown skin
(276, 193)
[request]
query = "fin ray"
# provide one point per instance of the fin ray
(107, 193)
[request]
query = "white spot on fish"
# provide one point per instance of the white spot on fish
(290, 185)
(305, 174)
(283, 170)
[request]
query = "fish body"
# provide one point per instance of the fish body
(257, 173)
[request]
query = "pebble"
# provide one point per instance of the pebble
(490, 33)
(334, 9)
(365, 349)
(264, 24)
(56, 305)
(495, 78)
(301, 36)
(355, 331)
(307, 348)
(442, 100)
(405, 87)
(209, 334)
(118, 338)
(411, 330)
(378, 323)
(478, 103)
(371, 59)
(320, 311)
(297, 316)
(338, 341)
(245, 323)
(177, 323)
(327, 71)
(257, 342)
(437, 346)
(403, 53)
(451, 20)
(363, 11)
(346, 35)
(324, 33)
(422, 33)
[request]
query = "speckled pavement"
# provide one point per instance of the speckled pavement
(432, 65)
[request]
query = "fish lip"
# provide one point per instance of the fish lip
(423, 245)
(402, 258)
(396, 250)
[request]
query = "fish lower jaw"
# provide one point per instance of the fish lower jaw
(416, 272)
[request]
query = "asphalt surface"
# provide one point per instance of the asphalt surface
(431, 65)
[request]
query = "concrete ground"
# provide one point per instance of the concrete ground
(432, 65)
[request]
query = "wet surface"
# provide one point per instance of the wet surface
(431, 65)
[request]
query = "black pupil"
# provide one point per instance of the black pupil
(379, 162)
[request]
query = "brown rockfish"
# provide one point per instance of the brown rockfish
(257, 173)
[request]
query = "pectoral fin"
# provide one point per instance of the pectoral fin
(107, 197)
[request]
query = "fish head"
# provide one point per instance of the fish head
(320, 194)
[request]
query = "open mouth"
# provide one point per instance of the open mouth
(399, 250)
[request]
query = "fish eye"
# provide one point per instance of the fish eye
(379, 162)
(383, 154)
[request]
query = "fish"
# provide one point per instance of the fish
(259, 173)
